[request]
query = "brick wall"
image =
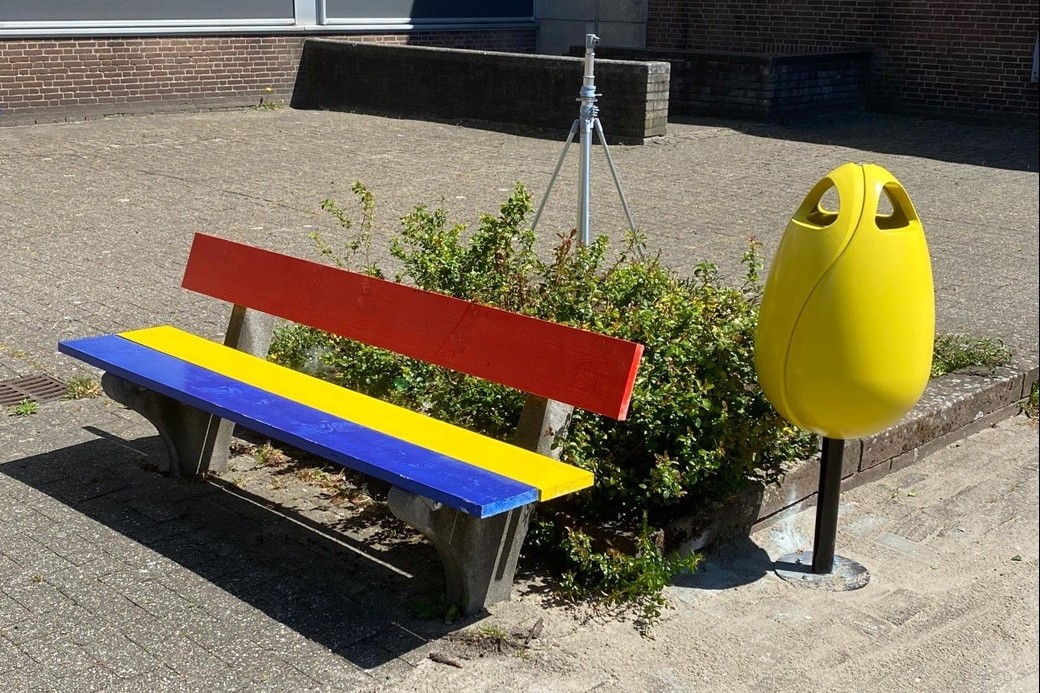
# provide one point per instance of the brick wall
(965, 58)
(513, 88)
(57, 78)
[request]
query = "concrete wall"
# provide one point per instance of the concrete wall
(564, 23)
(964, 58)
(47, 79)
(498, 87)
(757, 86)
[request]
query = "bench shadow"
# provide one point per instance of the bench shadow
(367, 606)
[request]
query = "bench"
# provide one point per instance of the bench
(470, 495)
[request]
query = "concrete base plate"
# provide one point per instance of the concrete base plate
(846, 576)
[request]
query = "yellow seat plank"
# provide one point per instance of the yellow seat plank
(550, 477)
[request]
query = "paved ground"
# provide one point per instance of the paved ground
(114, 577)
(99, 215)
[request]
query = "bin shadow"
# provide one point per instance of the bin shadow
(735, 563)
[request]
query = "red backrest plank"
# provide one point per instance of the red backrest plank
(582, 368)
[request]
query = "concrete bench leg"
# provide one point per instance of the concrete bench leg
(542, 421)
(194, 439)
(197, 442)
(479, 556)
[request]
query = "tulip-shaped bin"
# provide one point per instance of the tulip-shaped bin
(845, 331)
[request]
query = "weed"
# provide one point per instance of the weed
(337, 485)
(82, 388)
(954, 352)
(266, 103)
(26, 407)
(613, 578)
(1030, 405)
(490, 637)
(493, 638)
(430, 609)
(266, 454)
(320, 478)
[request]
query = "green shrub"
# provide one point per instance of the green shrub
(614, 577)
(699, 425)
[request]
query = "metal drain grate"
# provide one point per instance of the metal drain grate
(38, 388)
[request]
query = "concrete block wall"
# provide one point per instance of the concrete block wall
(756, 86)
(498, 87)
(45, 79)
(969, 59)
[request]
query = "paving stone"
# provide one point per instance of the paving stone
(185, 657)
(70, 545)
(114, 651)
(12, 657)
(95, 678)
(902, 545)
(163, 679)
(29, 678)
(151, 633)
(407, 645)
(11, 611)
(318, 662)
(378, 663)
(36, 595)
(59, 655)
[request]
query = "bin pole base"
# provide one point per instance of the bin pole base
(847, 575)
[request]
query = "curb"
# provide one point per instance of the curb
(952, 408)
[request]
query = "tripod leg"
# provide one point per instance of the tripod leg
(613, 172)
(556, 172)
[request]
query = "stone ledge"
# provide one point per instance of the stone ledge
(510, 88)
(953, 407)
(74, 114)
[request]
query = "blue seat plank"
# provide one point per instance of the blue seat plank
(408, 466)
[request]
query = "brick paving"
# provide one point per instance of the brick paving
(113, 577)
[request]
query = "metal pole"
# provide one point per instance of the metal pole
(826, 571)
(556, 172)
(827, 506)
(587, 114)
(584, 181)
(587, 123)
(613, 172)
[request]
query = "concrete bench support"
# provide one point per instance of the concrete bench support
(197, 442)
(479, 555)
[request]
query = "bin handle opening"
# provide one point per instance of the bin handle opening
(812, 212)
(903, 212)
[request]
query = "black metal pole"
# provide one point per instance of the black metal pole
(827, 506)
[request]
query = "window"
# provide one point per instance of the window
(107, 17)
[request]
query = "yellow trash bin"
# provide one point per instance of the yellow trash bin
(844, 340)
